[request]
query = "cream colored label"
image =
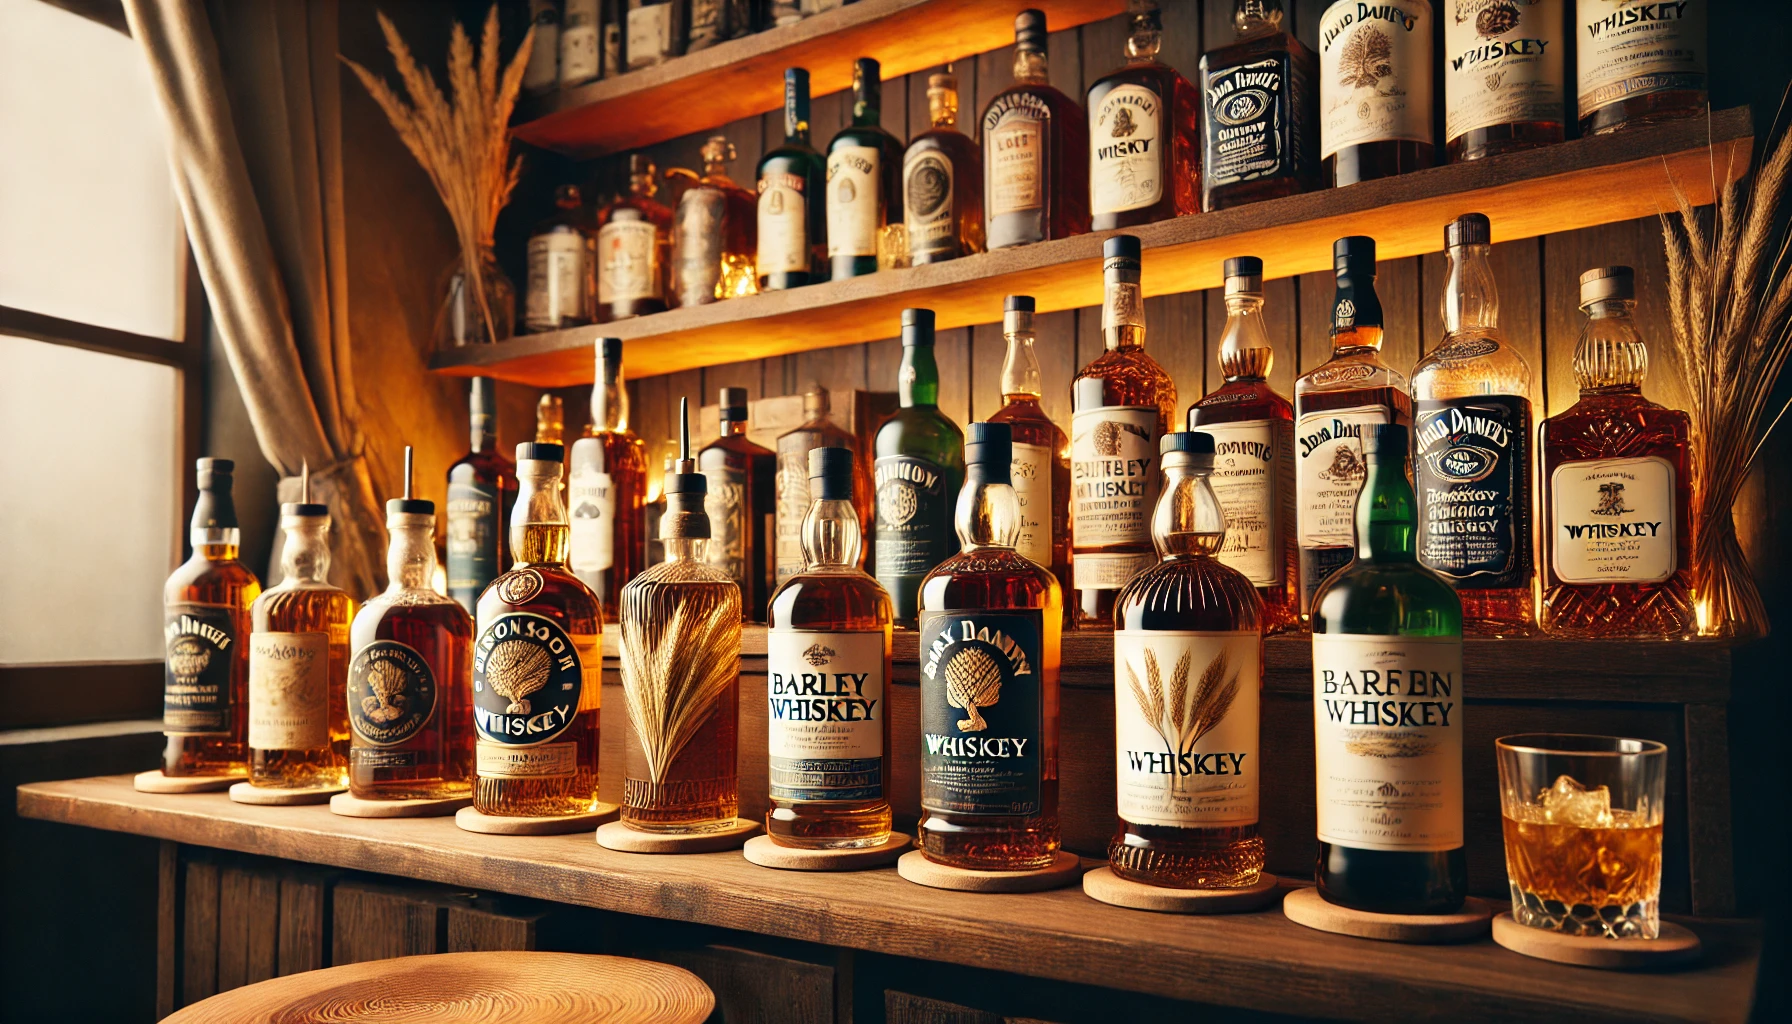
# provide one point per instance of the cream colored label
(649, 35)
(1113, 475)
(591, 509)
(854, 202)
(825, 694)
(1015, 150)
(1185, 727)
(628, 262)
(1374, 73)
(1095, 570)
(1502, 63)
(578, 42)
(1031, 473)
(1636, 47)
(542, 761)
(289, 691)
(1612, 521)
(1126, 163)
(1331, 472)
(1247, 472)
(783, 226)
(927, 200)
(556, 279)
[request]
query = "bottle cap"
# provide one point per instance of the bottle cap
(1195, 442)
(833, 468)
(991, 446)
(816, 400)
(215, 474)
(410, 507)
(1385, 440)
(304, 509)
(641, 163)
(1469, 229)
(1017, 304)
(1029, 31)
(686, 483)
(866, 71)
(917, 327)
(609, 350)
(1602, 283)
(1353, 251)
(1121, 247)
(1244, 266)
(538, 451)
(734, 404)
(941, 81)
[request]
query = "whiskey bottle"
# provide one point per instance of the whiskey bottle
(550, 419)
(707, 24)
(1260, 139)
(1040, 475)
(1616, 487)
(1471, 464)
(828, 678)
(634, 240)
(613, 14)
(656, 32)
(864, 178)
(1386, 627)
(740, 501)
(680, 628)
(1639, 65)
(298, 661)
(1375, 90)
(410, 683)
(1188, 681)
(793, 220)
(793, 497)
(606, 488)
(1144, 135)
(991, 625)
(1333, 403)
(1253, 469)
(1035, 151)
(920, 466)
(542, 72)
(480, 486)
(538, 663)
(1123, 402)
(1502, 73)
(941, 176)
(205, 689)
(714, 232)
(579, 55)
(562, 261)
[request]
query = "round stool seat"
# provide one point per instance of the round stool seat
(488, 988)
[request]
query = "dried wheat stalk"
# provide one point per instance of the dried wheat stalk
(673, 675)
(1213, 698)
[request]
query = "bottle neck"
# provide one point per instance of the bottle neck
(796, 115)
(1257, 17)
(213, 531)
(1611, 357)
(484, 432)
(305, 557)
(684, 528)
(1122, 307)
(867, 103)
(942, 107)
(1030, 67)
(918, 379)
(411, 556)
(1188, 521)
(1356, 313)
(609, 401)
(987, 516)
(1471, 301)
(1385, 524)
(830, 536)
(731, 428)
(642, 186)
(1020, 367)
(538, 530)
(1245, 351)
(1145, 38)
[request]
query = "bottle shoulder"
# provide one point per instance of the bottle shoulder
(1359, 369)
(951, 141)
(791, 156)
(286, 604)
(1240, 399)
(1468, 364)
(409, 606)
(1159, 77)
(996, 579)
(843, 598)
(562, 597)
(816, 434)
(922, 430)
(738, 445)
(1387, 599)
(1256, 48)
(633, 207)
(201, 573)
(865, 135)
(1614, 426)
(1189, 593)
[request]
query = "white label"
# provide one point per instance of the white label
(543, 68)
(927, 200)
(556, 279)
(854, 201)
(591, 508)
(578, 42)
(1635, 47)
(1015, 149)
(1185, 727)
(1031, 472)
(1126, 164)
(1502, 64)
(1330, 473)
(649, 35)
(542, 761)
(826, 709)
(783, 226)
(1094, 570)
(289, 691)
(1387, 734)
(1248, 461)
(1374, 74)
(1612, 521)
(628, 265)
(1113, 475)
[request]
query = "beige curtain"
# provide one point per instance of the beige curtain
(250, 90)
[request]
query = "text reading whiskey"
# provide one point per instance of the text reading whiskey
(1639, 64)
(1502, 70)
(1144, 135)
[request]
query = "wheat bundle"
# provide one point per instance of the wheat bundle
(673, 674)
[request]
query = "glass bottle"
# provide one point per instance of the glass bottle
(579, 55)
(1637, 66)
(655, 32)
(920, 466)
(864, 178)
(681, 672)
(550, 419)
(205, 689)
(410, 682)
(1617, 487)
(562, 267)
(1144, 135)
(1502, 73)
(1035, 151)
(1375, 90)
(942, 172)
(478, 307)
(1253, 436)
(740, 502)
(991, 626)
(828, 678)
(607, 488)
(793, 498)
(714, 232)
(634, 241)
(538, 663)
(1333, 403)
(1260, 140)
(793, 245)
(1188, 644)
(1471, 464)
(1123, 403)
(480, 486)
(1383, 626)
(1040, 475)
(542, 72)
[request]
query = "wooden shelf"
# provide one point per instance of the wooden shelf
(1258, 961)
(1577, 184)
(743, 77)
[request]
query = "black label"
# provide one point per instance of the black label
(526, 680)
(472, 541)
(1249, 129)
(982, 718)
(201, 644)
(914, 517)
(1471, 464)
(391, 693)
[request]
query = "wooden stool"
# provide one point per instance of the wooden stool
(490, 988)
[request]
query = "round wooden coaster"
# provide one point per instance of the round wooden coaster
(619, 837)
(470, 819)
(765, 852)
(249, 793)
(1102, 884)
(915, 867)
(1306, 906)
(351, 806)
(156, 782)
(1675, 946)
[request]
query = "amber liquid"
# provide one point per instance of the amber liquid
(1645, 110)
(635, 207)
(747, 515)
(1299, 128)
(440, 755)
(214, 576)
(1031, 425)
(967, 195)
(1575, 872)
(793, 497)
(1064, 187)
(309, 610)
(625, 459)
(1250, 398)
(1181, 173)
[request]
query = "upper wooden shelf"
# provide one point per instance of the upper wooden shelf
(745, 76)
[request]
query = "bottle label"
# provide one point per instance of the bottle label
(528, 680)
(783, 225)
(793, 505)
(1630, 48)
(556, 290)
(826, 709)
(201, 643)
(578, 42)
(649, 35)
(1014, 154)
(1250, 458)
(1471, 474)
(1502, 64)
(727, 506)
(1031, 472)
(391, 694)
(1374, 74)
(1113, 475)
(1612, 521)
(1387, 714)
(1126, 162)
(289, 691)
(628, 261)
(927, 202)
(472, 539)
(1248, 127)
(982, 712)
(1185, 726)
(855, 203)
(542, 761)
(1331, 473)
(1093, 570)
(913, 532)
(591, 509)
(697, 264)
(706, 23)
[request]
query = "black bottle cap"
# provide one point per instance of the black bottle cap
(1124, 247)
(1195, 442)
(1385, 441)
(1029, 31)
(1353, 251)
(796, 78)
(534, 451)
(991, 447)
(1603, 283)
(686, 483)
(833, 468)
(1469, 229)
(865, 70)
(917, 327)
(304, 508)
(734, 404)
(1017, 304)
(410, 507)
(1244, 266)
(215, 474)
(609, 350)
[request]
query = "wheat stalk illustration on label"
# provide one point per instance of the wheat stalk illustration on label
(973, 680)
(516, 669)
(1178, 720)
(672, 675)
(386, 680)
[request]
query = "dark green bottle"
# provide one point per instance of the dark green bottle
(919, 469)
(1387, 708)
(792, 215)
(864, 179)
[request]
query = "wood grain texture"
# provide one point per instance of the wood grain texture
(1306, 907)
(470, 819)
(908, 1008)
(1708, 803)
(378, 922)
(1674, 946)
(479, 923)
(351, 806)
(305, 918)
(915, 867)
(248, 924)
(1102, 884)
(169, 888)
(156, 782)
(765, 852)
(199, 931)
(751, 987)
(619, 837)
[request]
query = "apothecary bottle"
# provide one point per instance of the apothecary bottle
(792, 249)
(942, 175)
(864, 178)
(740, 502)
(1260, 137)
(634, 241)
(1375, 75)
(481, 485)
(606, 488)
(714, 232)
(1040, 475)
(1640, 64)
(919, 468)
(1144, 134)
(562, 267)
(1503, 77)
(1035, 151)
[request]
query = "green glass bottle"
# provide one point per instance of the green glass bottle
(919, 469)
(792, 215)
(864, 178)
(1387, 709)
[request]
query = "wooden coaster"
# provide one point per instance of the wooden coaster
(249, 793)
(470, 819)
(1675, 946)
(1306, 906)
(1102, 884)
(915, 867)
(156, 782)
(765, 852)
(619, 837)
(351, 806)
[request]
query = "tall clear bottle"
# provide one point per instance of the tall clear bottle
(607, 488)
(1041, 471)
(481, 484)
(864, 187)
(793, 216)
(920, 466)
